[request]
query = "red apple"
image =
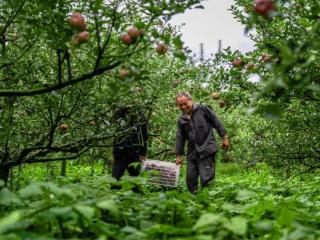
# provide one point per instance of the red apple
(63, 127)
(161, 48)
(222, 103)
(126, 39)
(263, 7)
(215, 95)
(77, 20)
(83, 37)
(250, 66)
(237, 63)
(123, 73)
(266, 58)
(134, 33)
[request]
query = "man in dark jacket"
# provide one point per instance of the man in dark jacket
(130, 144)
(195, 125)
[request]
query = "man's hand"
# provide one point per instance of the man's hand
(179, 160)
(225, 142)
(142, 158)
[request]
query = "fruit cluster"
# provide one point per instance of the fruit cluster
(78, 22)
(132, 35)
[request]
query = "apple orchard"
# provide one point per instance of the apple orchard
(67, 66)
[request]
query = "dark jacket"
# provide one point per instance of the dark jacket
(198, 131)
(132, 131)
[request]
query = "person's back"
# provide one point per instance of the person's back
(131, 128)
(130, 142)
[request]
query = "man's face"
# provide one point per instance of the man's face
(184, 104)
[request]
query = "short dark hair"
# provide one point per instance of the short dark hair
(184, 94)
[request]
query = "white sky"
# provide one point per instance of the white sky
(210, 25)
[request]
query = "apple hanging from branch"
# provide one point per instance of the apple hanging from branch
(123, 73)
(134, 33)
(63, 128)
(237, 63)
(83, 37)
(77, 20)
(264, 7)
(161, 48)
(250, 66)
(126, 39)
(221, 103)
(266, 58)
(215, 95)
(79, 38)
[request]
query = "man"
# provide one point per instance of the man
(195, 125)
(130, 144)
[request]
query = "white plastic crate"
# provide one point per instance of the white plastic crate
(162, 173)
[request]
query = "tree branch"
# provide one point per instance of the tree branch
(10, 20)
(70, 157)
(58, 86)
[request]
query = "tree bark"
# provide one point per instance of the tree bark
(4, 174)
(63, 168)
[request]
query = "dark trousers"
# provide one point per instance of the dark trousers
(203, 167)
(122, 158)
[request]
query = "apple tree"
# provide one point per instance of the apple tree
(287, 53)
(65, 67)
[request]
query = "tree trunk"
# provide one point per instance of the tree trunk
(63, 168)
(4, 174)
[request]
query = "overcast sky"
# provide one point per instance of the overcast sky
(210, 25)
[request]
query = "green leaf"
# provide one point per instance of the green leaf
(129, 229)
(206, 220)
(58, 191)
(203, 237)
(61, 211)
(180, 54)
(31, 190)
(140, 25)
(86, 211)
(286, 217)
(238, 225)
(155, 33)
(177, 42)
(167, 38)
(264, 225)
(301, 232)
(244, 195)
(8, 221)
(233, 208)
(270, 111)
(8, 198)
(288, 57)
(109, 205)
(144, 224)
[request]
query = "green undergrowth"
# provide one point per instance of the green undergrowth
(239, 205)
